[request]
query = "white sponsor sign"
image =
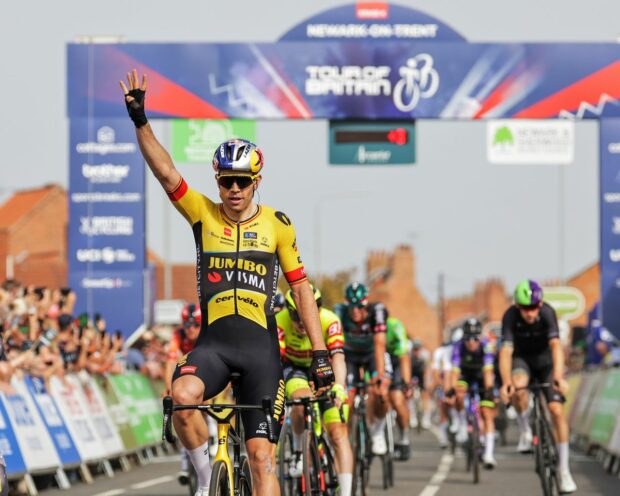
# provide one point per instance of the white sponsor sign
(106, 226)
(105, 144)
(105, 173)
(168, 312)
(101, 197)
(77, 420)
(93, 403)
(530, 142)
(32, 436)
(107, 255)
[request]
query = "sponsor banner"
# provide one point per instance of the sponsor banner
(9, 447)
(372, 21)
(143, 408)
(365, 143)
(34, 441)
(395, 79)
(106, 212)
(92, 402)
(195, 140)
(118, 412)
(606, 409)
(610, 224)
(55, 424)
(583, 402)
(77, 420)
(530, 142)
(118, 296)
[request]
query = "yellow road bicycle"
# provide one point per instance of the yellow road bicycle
(228, 477)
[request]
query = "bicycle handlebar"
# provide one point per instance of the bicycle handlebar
(307, 400)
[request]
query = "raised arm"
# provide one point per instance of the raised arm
(156, 156)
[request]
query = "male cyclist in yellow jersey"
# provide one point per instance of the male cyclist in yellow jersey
(296, 351)
(239, 246)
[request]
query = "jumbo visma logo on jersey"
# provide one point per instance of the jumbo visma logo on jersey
(238, 285)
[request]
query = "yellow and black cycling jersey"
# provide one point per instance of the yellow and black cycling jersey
(237, 262)
(295, 347)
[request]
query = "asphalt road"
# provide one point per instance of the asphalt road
(429, 472)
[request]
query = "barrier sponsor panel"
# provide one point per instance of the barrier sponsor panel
(77, 420)
(9, 446)
(143, 408)
(63, 442)
(36, 445)
(118, 412)
(99, 416)
(605, 410)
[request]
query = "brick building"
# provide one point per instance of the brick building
(33, 236)
(392, 281)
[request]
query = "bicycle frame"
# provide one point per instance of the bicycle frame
(225, 431)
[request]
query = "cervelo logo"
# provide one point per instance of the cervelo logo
(243, 299)
(106, 226)
(104, 283)
(614, 255)
(371, 10)
(418, 80)
(106, 143)
(105, 173)
(107, 255)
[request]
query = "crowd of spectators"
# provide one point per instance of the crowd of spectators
(41, 336)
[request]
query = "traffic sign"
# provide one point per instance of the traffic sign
(568, 302)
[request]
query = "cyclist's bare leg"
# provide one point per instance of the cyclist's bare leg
(560, 424)
(339, 434)
(426, 405)
(262, 456)
(521, 400)
(297, 416)
(377, 406)
(189, 425)
(397, 398)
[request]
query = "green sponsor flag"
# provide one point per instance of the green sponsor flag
(195, 140)
(135, 393)
(119, 413)
(606, 409)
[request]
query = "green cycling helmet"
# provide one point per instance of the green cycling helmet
(528, 293)
(356, 294)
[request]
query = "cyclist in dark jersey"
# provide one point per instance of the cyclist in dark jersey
(531, 349)
(364, 326)
(420, 359)
(239, 246)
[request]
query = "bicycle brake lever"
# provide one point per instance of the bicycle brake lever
(267, 409)
(167, 431)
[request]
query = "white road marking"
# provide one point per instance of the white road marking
(438, 477)
(153, 482)
(112, 492)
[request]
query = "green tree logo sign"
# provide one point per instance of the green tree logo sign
(503, 137)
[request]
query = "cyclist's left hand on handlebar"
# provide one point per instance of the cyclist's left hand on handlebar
(320, 372)
(340, 395)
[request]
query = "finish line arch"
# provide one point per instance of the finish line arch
(396, 78)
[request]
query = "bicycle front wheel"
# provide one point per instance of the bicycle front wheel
(332, 485)
(286, 459)
(361, 453)
(475, 450)
(219, 485)
(313, 480)
(245, 477)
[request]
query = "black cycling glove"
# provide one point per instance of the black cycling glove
(136, 107)
(320, 372)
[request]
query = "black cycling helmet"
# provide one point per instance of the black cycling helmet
(472, 327)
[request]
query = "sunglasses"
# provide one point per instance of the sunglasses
(529, 307)
(227, 182)
(471, 337)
